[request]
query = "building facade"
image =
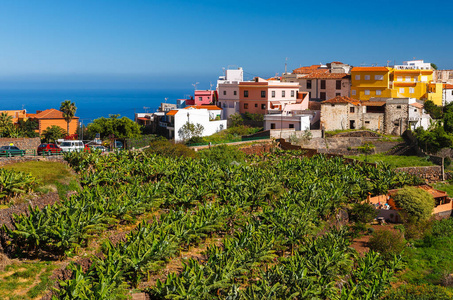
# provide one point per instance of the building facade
(412, 79)
(262, 97)
(50, 117)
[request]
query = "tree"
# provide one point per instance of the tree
(28, 128)
(434, 111)
(189, 130)
(434, 139)
(236, 120)
(434, 66)
(69, 109)
(121, 128)
(53, 133)
(6, 124)
(417, 204)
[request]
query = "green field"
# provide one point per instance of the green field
(394, 161)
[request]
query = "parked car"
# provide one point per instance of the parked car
(48, 149)
(71, 145)
(11, 151)
(98, 148)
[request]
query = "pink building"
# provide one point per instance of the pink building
(204, 97)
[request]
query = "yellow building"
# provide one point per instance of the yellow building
(17, 115)
(413, 79)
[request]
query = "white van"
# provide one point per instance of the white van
(70, 146)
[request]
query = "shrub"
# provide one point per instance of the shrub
(169, 149)
(370, 230)
(357, 229)
(419, 292)
(362, 212)
(196, 140)
(416, 230)
(387, 242)
(443, 228)
(223, 154)
(417, 204)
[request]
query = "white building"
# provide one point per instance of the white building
(208, 116)
(447, 94)
(414, 65)
(228, 91)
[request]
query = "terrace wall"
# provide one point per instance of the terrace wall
(22, 143)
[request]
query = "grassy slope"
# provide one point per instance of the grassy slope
(395, 161)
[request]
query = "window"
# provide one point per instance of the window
(367, 92)
(323, 84)
(411, 90)
(246, 105)
(224, 92)
(283, 93)
(351, 109)
(308, 84)
(256, 104)
(224, 104)
(263, 106)
(322, 95)
(378, 77)
(357, 77)
(200, 99)
(378, 92)
(292, 93)
(399, 78)
(273, 94)
(338, 84)
(246, 93)
(337, 94)
(424, 78)
(291, 125)
(408, 78)
(353, 92)
(272, 125)
(367, 122)
(235, 93)
(401, 90)
(263, 94)
(367, 77)
(398, 106)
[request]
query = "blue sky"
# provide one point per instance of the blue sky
(150, 44)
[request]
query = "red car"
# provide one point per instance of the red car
(48, 149)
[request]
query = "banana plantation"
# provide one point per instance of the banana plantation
(275, 220)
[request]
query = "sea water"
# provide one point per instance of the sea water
(91, 104)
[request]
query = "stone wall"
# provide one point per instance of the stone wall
(22, 143)
(429, 174)
(16, 159)
(258, 149)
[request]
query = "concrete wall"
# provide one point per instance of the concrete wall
(396, 118)
(334, 116)
(16, 159)
(22, 143)
(44, 123)
(198, 116)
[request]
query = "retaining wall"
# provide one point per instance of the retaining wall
(16, 159)
(22, 143)
(430, 173)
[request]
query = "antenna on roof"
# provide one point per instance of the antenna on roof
(286, 64)
(146, 109)
(388, 61)
(210, 85)
(195, 85)
(166, 98)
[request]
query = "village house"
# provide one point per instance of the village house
(389, 116)
(322, 82)
(228, 91)
(17, 115)
(388, 211)
(447, 96)
(50, 117)
(208, 116)
(412, 79)
(262, 96)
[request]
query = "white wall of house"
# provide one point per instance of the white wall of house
(278, 121)
(229, 99)
(198, 116)
(447, 96)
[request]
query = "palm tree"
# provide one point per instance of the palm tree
(6, 123)
(69, 109)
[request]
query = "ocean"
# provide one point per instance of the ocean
(91, 104)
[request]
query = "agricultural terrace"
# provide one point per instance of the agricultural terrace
(260, 227)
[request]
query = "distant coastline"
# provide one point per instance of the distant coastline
(91, 103)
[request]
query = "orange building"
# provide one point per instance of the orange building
(50, 117)
(17, 115)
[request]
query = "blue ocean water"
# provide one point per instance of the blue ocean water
(91, 104)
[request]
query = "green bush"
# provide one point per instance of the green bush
(196, 140)
(417, 204)
(169, 149)
(443, 228)
(362, 212)
(387, 242)
(419, 292)
(223, 154)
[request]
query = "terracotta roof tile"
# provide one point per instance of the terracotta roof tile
(342, 99)
(418, 105)
(172, 112)
(304, 70)
(373, 103)
(314, 105)
(448, 86)
(370, 69)
(50, 114)
(326, 75)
